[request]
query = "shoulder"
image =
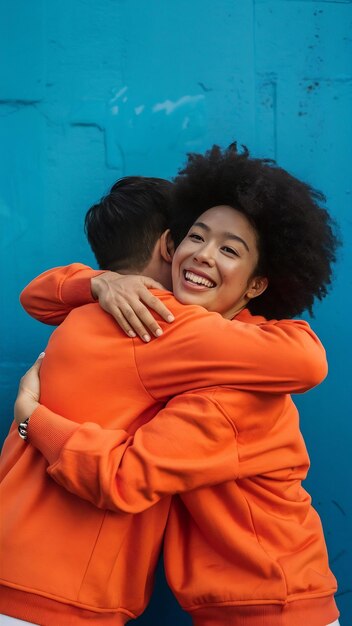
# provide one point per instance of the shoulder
(188, 314)
(91, 318)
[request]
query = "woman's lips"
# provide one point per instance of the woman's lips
(196, 279)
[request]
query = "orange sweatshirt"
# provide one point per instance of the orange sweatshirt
(94, 563)
(242, 534)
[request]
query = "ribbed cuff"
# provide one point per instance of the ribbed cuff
(48, 432)
(77, 290)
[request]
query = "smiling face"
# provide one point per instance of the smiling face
(214, 265)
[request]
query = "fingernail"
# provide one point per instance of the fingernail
(158, 332)
(170, 318)
(131, 333)
(146, 338)
(41, 355)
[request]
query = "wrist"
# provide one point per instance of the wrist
(25, 405)
(100, 284)
(23, 429)
(94, 287)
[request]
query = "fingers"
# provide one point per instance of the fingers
(137, 321)
(151, 283)
(36, 365)
(141, 320)
(157, 305)
(134, 317)
(30, 382)
(39, 360)
(126, 298)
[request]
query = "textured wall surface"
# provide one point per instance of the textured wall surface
(91, 91)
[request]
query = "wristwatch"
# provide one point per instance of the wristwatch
(22, 429)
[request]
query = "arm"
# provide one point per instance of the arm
(189, 444)
(282, 356)
(52, 295)
(203, 349)
(277, 356)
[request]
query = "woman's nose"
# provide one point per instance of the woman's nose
(205, 254)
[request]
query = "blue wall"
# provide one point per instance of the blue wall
(91, 91)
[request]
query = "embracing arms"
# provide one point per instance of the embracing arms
(51, 296)
(199, 439)
(189, 444)
(282, 356)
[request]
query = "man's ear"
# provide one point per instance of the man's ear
(167, 247)
(257, 286)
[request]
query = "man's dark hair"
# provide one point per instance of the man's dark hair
(123, 227)
(296, 239)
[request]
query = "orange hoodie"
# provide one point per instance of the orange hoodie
(93, 563)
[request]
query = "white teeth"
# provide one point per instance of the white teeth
(198, 280)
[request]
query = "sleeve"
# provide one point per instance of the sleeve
(282, 356)
(191, 443)
(51, 296)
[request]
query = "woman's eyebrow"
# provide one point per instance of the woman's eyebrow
(202, 225)
(226, 234)
(237, 238)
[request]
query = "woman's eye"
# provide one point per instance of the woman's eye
(195, 236)
(230, 251)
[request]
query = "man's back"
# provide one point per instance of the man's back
(83, 555)
(90, 370)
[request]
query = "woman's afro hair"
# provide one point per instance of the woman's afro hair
(296, 239)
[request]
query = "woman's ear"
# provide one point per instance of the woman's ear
(167, 247)
(257, 286)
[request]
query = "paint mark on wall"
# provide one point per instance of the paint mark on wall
(169, 106)
(120, 93)
(337, 556)
(339, 507)
(204, 87)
